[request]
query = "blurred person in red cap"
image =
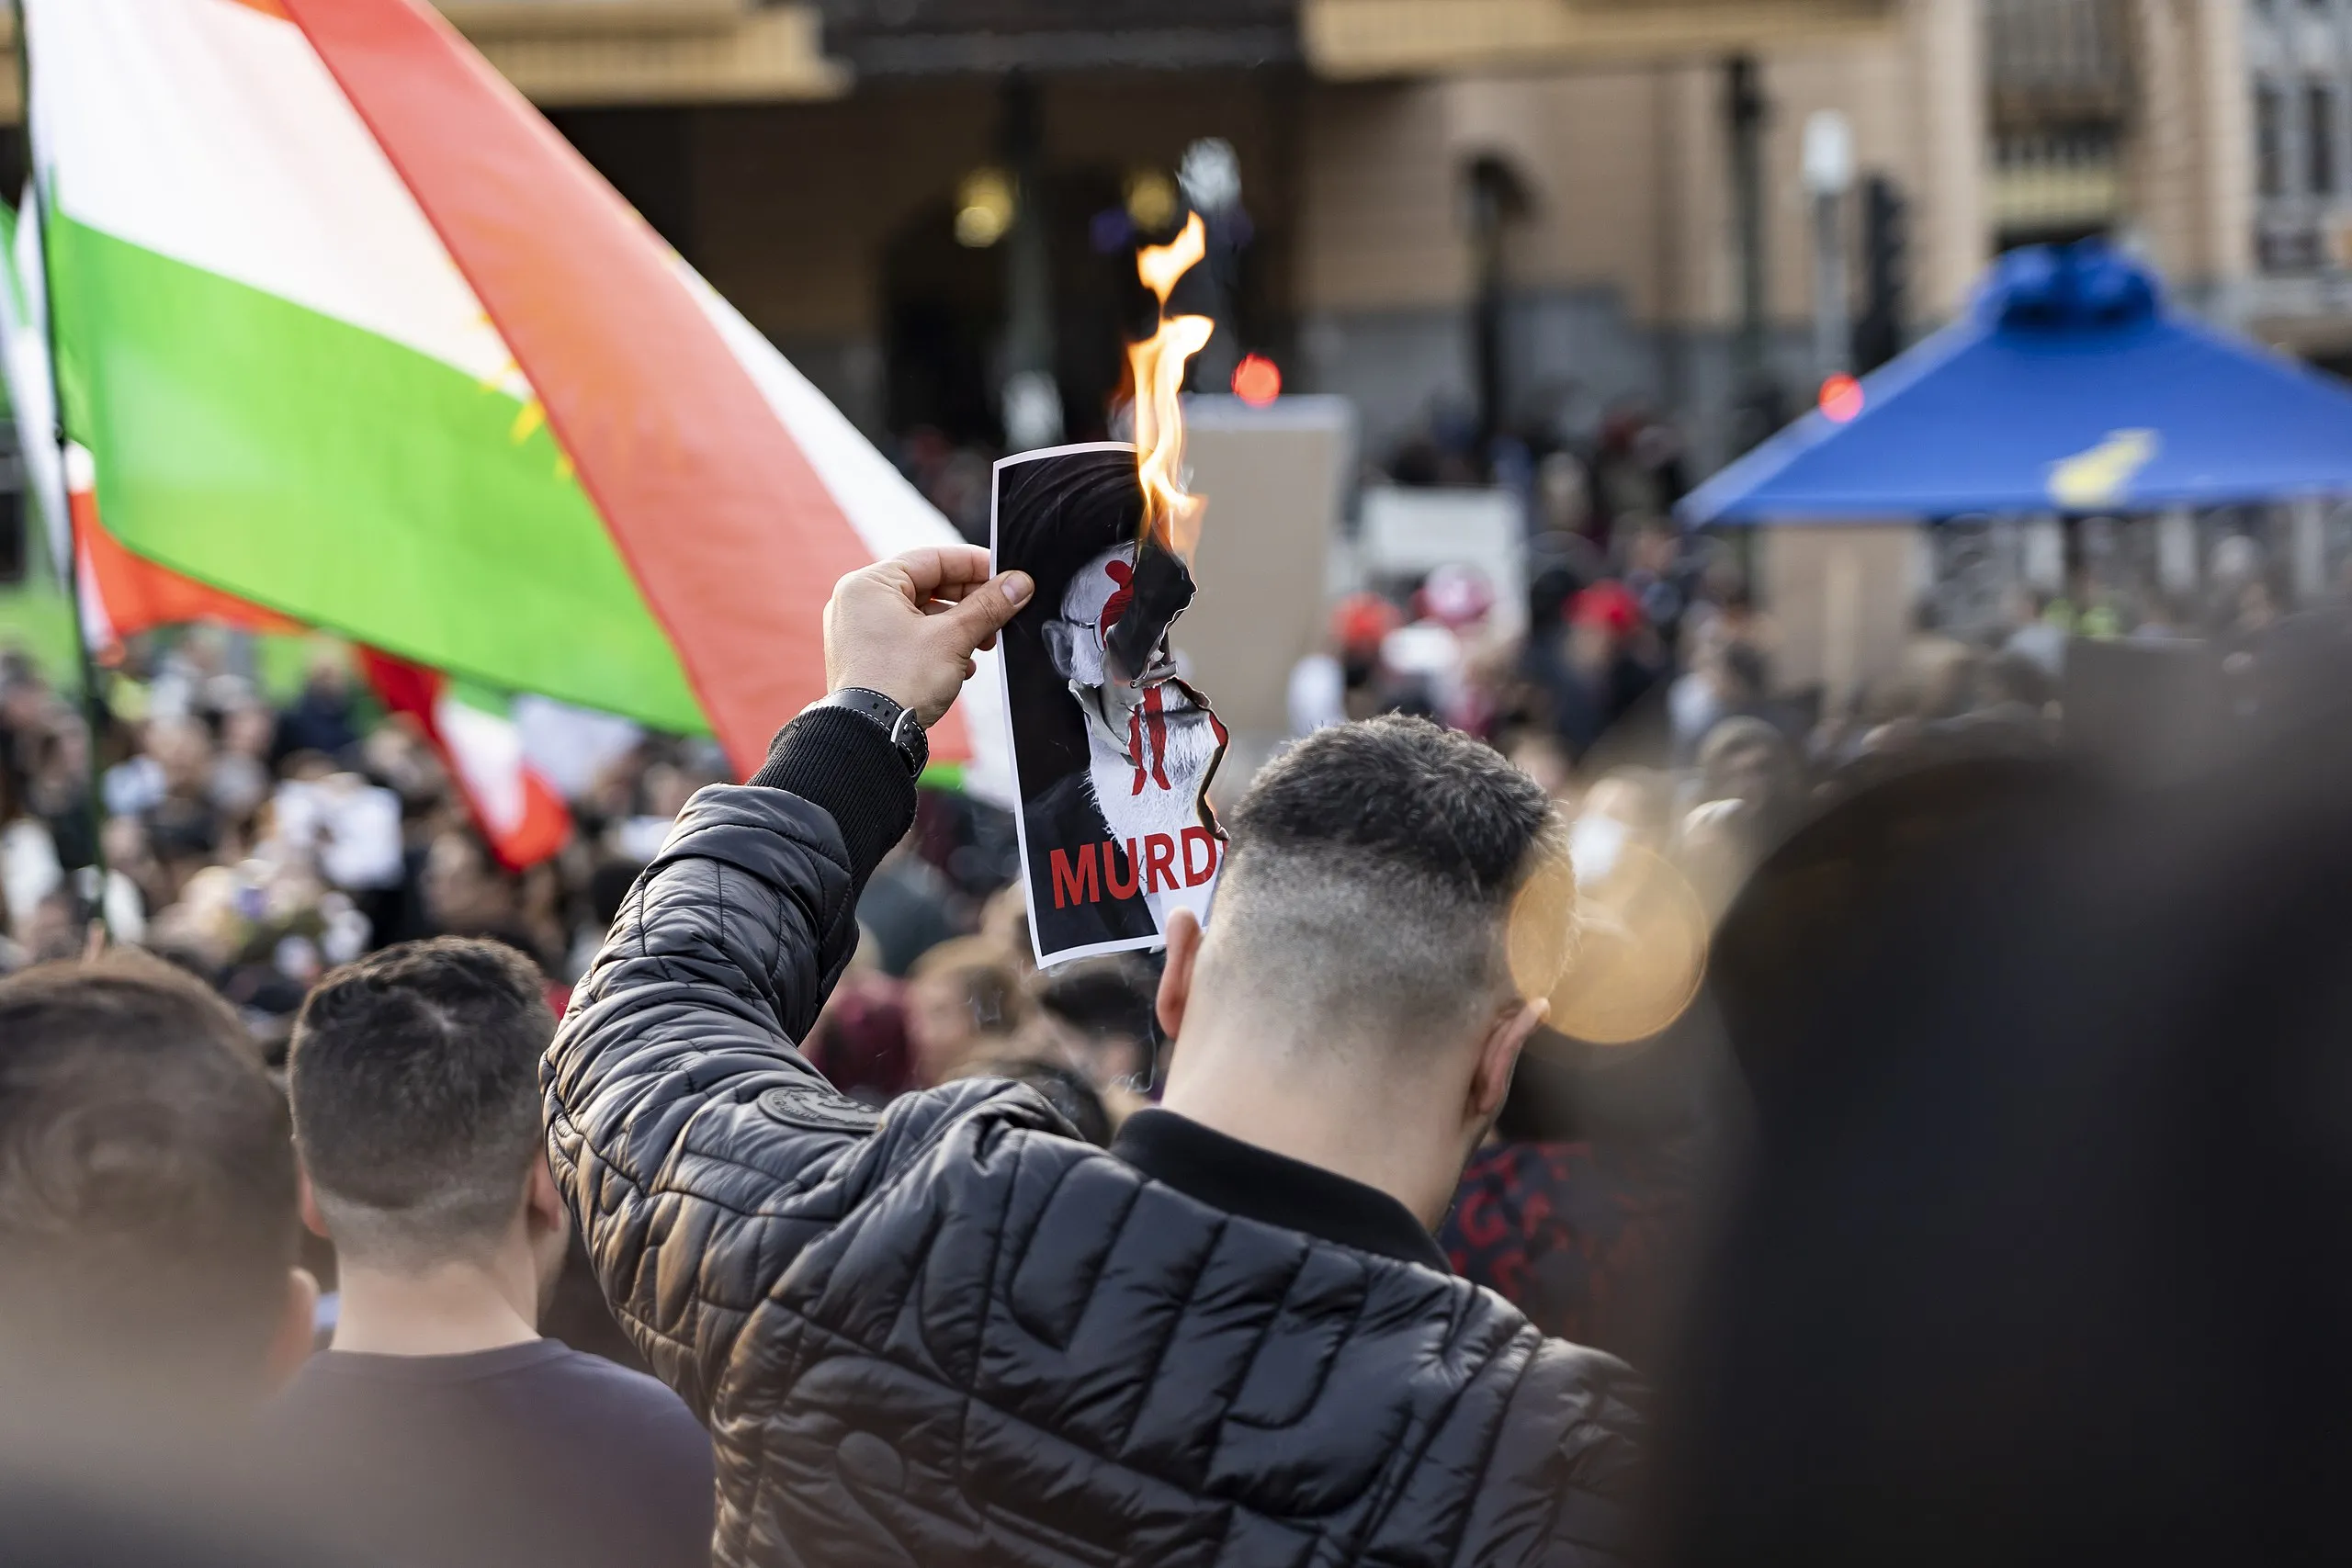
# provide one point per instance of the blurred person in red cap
(1340, 682)
(1597, 666)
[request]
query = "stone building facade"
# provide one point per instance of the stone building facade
(1524, 211)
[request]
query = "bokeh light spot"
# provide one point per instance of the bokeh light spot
(1634, 953)
(1150, 200)
(985, 208)
(1842, 399)
(1257, 380)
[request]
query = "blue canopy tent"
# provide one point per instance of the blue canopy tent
(2070, 388)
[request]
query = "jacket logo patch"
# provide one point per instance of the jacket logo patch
(819, 1110)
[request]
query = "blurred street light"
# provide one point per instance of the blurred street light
(1828, 153)
(1828, 175)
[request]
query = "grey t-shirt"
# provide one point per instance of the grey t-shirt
(527, 1455)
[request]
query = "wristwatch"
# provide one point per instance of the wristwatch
(905, 730)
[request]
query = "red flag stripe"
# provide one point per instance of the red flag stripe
(416, 691)
(732, 538)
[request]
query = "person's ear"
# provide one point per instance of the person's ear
(547, 1225)
(1061, 645)
(1176, 980)
(306, 1198)
(297, 1330)
(543, 1209)
(1498, 1055)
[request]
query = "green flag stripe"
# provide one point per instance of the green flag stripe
(339, 478)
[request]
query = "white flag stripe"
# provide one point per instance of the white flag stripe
(890, 514)
(31, 392)
(97, 626)
(211, 133)
(488, 751)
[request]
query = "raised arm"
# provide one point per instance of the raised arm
(699, 1151)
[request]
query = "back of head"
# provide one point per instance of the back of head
(147, 1193)
(983, 973)
(1101, 996)
(1370, 881)
(414, 1074)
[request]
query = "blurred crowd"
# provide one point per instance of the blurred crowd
(255, 836)
(1774, 879)
(257, 843)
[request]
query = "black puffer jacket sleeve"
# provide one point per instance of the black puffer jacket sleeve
(699, 1151)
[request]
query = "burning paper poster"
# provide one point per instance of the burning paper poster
(1112, 753)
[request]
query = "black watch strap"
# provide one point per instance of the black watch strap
(905, 730)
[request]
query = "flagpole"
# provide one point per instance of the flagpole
(93, 709)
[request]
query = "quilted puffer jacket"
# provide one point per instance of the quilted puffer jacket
(951, 1334)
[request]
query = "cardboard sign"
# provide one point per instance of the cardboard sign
(1112, 753)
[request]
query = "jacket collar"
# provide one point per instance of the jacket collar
(1258, 1184)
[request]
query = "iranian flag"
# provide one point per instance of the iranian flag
(353, 336)
(522, 817)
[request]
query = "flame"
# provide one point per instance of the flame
(1160, 265)
(1158, 364)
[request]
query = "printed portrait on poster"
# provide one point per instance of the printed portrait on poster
(1112, 753)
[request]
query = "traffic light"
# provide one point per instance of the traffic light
(1886, 274)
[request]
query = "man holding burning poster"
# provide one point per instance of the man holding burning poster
(951, 1333)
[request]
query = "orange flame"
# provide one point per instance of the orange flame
(1158, 364)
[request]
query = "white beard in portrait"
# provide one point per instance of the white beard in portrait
(1152, 746)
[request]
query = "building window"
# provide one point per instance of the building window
(2319, 136)
(2270, 151)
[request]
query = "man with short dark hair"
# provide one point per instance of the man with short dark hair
(950, 1334)
(441, 1426)
(147, 1213)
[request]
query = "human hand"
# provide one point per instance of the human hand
(908, 627)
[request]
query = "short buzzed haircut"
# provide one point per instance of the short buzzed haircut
(414, 1074)
(1371, 872)
(147, 1189)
